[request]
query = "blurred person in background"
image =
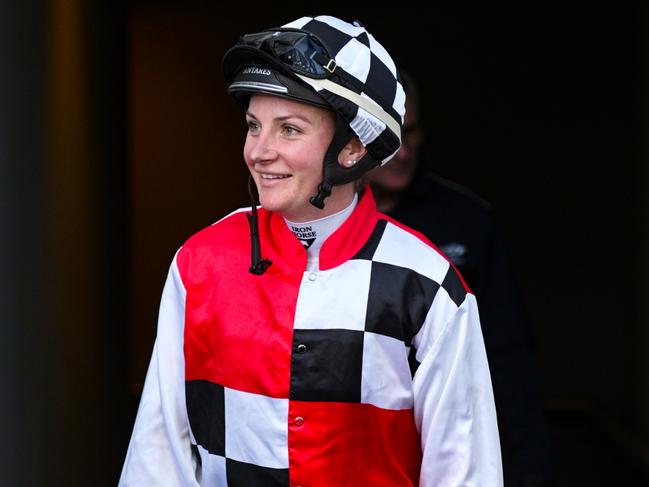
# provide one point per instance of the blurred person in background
(464, 227)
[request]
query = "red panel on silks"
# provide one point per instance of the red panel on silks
(239, 327)
(352, 444)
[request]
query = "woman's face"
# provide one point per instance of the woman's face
(284, 150)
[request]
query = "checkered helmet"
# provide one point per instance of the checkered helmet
(327, 62)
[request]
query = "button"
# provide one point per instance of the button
(299, 421)
(301, 348)
(313, 276)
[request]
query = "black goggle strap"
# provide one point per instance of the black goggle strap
(257, 265)
(326, 63)
(333, 174)
(281, 43)
(322, 65)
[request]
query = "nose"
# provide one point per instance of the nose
(261, 147)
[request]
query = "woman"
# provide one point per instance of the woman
(348, 352)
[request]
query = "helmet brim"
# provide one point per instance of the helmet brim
(248, 71)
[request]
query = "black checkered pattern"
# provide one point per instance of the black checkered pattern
(375, 77)
(356, 332)
(327, 365)
(357, 320)
(206, 411)
(226, 453)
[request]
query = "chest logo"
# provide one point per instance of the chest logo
(306, 235)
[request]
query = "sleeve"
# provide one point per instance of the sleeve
(159, 453)
(454, 404)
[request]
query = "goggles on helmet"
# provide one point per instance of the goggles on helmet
(298, 50)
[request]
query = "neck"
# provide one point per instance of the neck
(341, 197)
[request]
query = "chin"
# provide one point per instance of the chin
(271, 204)
(276, 203)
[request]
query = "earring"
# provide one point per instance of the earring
(350, 163)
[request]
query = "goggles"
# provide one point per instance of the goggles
(298, 50)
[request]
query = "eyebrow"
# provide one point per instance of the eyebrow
(285, 117)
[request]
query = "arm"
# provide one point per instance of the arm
(159, 453)
(454, 405)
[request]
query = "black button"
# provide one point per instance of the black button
(301, 348)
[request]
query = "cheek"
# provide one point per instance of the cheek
(312, 157)
(310, 167)
(247, 148)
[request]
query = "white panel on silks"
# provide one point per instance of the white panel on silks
(213, 470)
(420, 257)
(335, 298)
(386, 381)
(439, 314)
(256, 429)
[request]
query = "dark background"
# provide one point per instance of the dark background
(117, 142)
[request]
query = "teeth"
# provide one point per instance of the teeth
(273, 176)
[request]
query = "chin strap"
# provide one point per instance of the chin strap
(333, 174)
(257, 265)
(324, 190)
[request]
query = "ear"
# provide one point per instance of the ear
(354, 151)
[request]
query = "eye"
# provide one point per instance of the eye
(290, 130)
(252, 126)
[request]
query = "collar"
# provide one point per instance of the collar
(341, 246)
(321, 229)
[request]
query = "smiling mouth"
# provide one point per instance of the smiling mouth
(274, 176)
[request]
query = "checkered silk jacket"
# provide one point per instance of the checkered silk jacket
(370, 371)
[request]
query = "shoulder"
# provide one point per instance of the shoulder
(221, 231)
(216, 246)
(401, 246)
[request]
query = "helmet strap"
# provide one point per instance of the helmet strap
(333, 174)
(257, 265)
